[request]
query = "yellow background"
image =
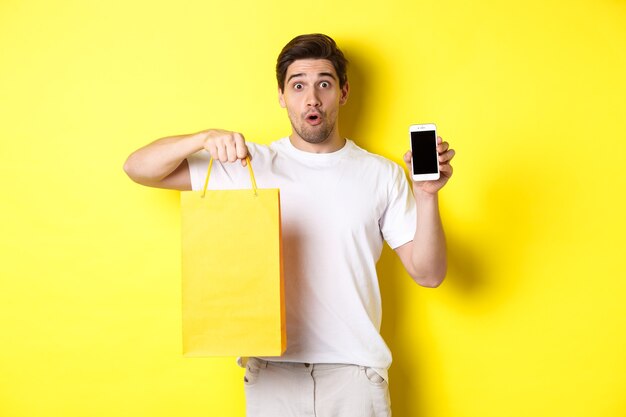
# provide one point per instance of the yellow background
(531, 319)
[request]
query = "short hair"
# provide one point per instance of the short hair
(311, 46)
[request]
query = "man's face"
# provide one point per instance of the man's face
(312, 97)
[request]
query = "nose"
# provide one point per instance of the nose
(312, 99)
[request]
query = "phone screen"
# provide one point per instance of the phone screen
(424, 146)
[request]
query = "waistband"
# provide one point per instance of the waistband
(298, 366)
(303, 366)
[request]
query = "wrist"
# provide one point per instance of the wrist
(421, 195)
(199, 139)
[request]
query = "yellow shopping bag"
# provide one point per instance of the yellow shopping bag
(233, 297)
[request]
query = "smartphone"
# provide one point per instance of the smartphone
(425, 163)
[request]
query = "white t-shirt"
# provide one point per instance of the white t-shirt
(336, 209)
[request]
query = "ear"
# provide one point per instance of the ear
(281, 98)
(345, 90)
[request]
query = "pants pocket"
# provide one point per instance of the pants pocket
(373, 376)
(379, 392)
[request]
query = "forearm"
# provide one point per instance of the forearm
(160, 158)
(428, 254)
(425, 256)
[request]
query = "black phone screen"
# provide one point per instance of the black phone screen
(424, 146)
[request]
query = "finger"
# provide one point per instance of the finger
(221, 151)
(408, 158)
(442, 147)
(446, 169)
(439, 140)
(231, 149)
(212, 149)
(241, 148)
(447, 156)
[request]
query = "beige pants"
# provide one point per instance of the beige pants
(283, 389)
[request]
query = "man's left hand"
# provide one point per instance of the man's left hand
(445, 169)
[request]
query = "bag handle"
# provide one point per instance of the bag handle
(208, 173)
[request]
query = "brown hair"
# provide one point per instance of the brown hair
(312, 46)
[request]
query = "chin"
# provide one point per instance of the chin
(318, 136)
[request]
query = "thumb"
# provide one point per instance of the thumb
(407, 158)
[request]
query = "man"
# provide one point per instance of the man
(338, 203)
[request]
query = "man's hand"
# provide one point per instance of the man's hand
(445, 169)
(226, 146)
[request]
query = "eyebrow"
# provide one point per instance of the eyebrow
(321, 74)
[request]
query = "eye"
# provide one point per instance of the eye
(298, 86)
(324, 84)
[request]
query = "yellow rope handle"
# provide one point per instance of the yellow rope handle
(208, 174)
(252, 180)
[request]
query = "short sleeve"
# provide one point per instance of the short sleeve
(399, 219)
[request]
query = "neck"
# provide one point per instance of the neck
(333, 143)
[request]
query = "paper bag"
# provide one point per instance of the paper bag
(233, 296)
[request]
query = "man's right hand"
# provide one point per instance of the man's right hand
(163, 163)
(226, 146)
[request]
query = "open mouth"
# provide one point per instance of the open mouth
(313, 119)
